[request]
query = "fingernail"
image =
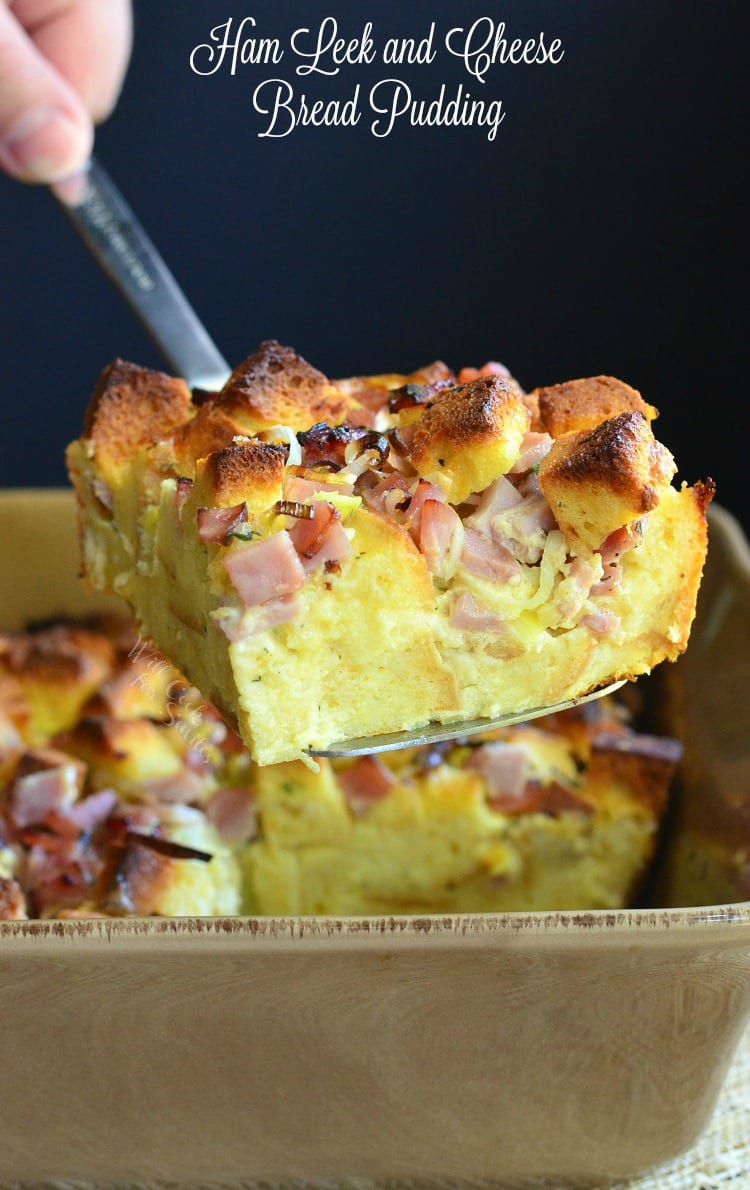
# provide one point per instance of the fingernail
(44, 145)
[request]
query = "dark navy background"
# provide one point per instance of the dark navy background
(600, 232)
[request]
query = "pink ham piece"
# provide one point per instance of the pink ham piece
(238, 626)
(528, 485)
(618, 543)
(322, 539)
(384, 496)
(183, 490)
(231, 811)
(184, 786)
(440, 535)
(300, 490)
(601, 623)
(488, 559)
(571, 595)
(526, 527)
(467, 615)
(323, 444)
(334, 549)
(503, 767)
(423, 492)
(533, 449)
(264, 570)
(498, 497)
(47, 782)
(214, 524)
(611, 550)
(491, 368)
(367, 781)
(373, 399)
(92, 811)
(306, 534)
(609, 581)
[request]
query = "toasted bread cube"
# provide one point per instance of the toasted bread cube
(469, 435)
(124, 753)
(275, 386)
(596, 482)
(130, 407)
(249, 472)
(584, 404)
(57, 669)
(210, 430)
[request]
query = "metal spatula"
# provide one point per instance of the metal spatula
(119, 244)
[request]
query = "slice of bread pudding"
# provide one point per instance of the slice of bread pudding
(123, 793)
(332, 560)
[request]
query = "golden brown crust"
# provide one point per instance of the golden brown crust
(141, 879)
(460, 423)
(583, 404)
(463, 416)
(132, 406)
(597, 481)
(210, 430)
(621, 452)
(704, 491)
(275, 386)
(245, 471)
(59, 654)
(99, 737)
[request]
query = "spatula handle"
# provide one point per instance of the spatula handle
(117, 241)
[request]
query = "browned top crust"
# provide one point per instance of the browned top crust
(243, 471)
(583, 404)
(275, 386)
(210, 430)
(98, 736)
(464, 416)
(132, 406)
(621, 452)
(704, 490)
(59, 654)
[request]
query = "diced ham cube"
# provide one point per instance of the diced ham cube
(365, 782)
(503, 767)
(264, 570)
(488, 559)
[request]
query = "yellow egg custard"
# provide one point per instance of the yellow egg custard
(332, 560)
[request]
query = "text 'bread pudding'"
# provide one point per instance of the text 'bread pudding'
(328, 560)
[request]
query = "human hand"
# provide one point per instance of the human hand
(62, 63)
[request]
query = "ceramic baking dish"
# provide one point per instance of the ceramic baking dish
(556, 1048)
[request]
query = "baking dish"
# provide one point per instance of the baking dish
(517, 1050)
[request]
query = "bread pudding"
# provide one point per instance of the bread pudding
(328, 560)
(123, 792)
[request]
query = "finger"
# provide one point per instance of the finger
(87, 41)
(45, 131)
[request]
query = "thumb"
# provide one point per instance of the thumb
(45, 132)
